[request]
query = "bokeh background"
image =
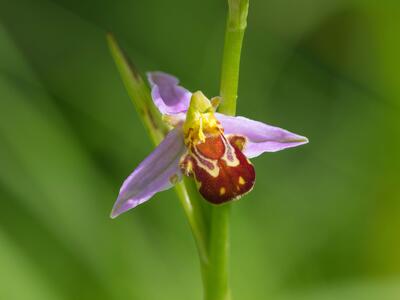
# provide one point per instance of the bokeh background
(323, 221)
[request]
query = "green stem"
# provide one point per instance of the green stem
(217, 271)
(234, 33)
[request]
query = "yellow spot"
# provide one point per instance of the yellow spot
(240, 142)
(222, 191)
(241, 180)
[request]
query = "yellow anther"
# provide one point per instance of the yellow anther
(222, 191)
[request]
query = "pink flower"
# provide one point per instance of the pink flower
(210, 147)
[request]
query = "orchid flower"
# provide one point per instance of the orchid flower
(211, 147)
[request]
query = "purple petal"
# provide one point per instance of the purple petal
(168, 96)
(158, 172)
(260, 137)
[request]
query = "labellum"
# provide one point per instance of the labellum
(222, 172)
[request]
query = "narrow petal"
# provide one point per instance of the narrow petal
(168, 96)
(260, 137)
(158, 172)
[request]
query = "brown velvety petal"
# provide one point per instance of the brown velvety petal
(222, 176)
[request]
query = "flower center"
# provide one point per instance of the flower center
(222, 172)
(200, 121)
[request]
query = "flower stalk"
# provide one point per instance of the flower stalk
(217, 272)
(235, 28)
(217, 284)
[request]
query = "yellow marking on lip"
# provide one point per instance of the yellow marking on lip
(231, 163)
(213, 172)
(241, 180)
(222, 191)
(189, 167)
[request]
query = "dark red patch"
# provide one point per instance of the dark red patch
(232, 181)
(212, 148)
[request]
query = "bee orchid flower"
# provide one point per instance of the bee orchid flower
(210, 147)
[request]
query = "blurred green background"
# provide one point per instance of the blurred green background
(323, 221)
